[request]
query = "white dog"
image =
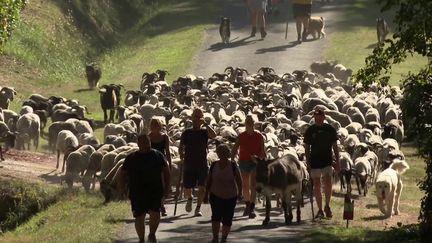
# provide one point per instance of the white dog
(389, 187)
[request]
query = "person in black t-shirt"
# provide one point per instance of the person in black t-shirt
(148, 180)
(319, 140)
(193, 153)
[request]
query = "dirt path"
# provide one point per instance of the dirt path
(274, 51)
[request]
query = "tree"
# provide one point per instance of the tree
(9, 15)
(413, 35)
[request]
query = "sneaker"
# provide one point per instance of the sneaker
(328, 212)
(163, 211)
(252, 213)
(246, 211)
(198, 213)
(152, 238)
(319, 215)
(188, 207)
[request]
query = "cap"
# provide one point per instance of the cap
(319, 112)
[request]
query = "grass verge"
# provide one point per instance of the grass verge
(356, 37)
(369, 225)
(77, 217)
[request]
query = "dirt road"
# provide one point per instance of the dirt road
(251, 53)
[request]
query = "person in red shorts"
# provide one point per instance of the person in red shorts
(250, 143)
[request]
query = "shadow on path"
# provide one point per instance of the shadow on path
(277, 48)
(234, 43)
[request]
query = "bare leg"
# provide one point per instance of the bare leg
(305, 22)
(252, 186)
(327, 180)
(317, 192)
(140, 226)
(154, 221)
(215, 229)
(225, 231)
(201, 192)
(246, 185)
(299, 28)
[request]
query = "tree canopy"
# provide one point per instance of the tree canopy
(412, 35)
(9, 15)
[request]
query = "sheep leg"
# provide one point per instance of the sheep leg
(267, 207)
(1, 153)
(398, 193)
(58, 158)
(105, 116)
(358, 184)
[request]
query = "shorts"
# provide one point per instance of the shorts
(247, 166)
(258, 5)
(141, 205)
(222, 209)
(317, 173)
(302, 10)
(193, 177)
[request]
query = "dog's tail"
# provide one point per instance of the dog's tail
(400, 166)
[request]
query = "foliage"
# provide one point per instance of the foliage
(9, 15)
(412, 35)
(20, 201)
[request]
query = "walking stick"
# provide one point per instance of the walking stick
(311, 198)
(286, 29)
(178, 187)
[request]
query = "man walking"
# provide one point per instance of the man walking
(257, 9)
(193, 153)
(148, 177)
(302, 12)
(320, 139)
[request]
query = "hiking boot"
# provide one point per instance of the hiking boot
(299, 41)
(319, 215)
(263, 33)
(252, 213)
(253, 32)
(247, 209)
(163, 211)
(215, 240)
(328, 212)
(188, 207)
(152, 238)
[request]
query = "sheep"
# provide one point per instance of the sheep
(109, 100)
(93, 74)
(55, 128)
(342, 73)
(363, 171)
(66, 143)
(7, 137)
(394, 129)
(115, 140)
(113, 129)
(88, 139)
(77, 162)
(28, 128)
(7, 95)
(26, 109)
(94, 165)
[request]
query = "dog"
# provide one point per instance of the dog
(382, 29)
(225, 29)
(389, 187)
(316, 26)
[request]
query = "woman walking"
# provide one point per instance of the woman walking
(224, 186)
(251, 143)
(160, 141)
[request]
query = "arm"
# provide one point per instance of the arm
(307, 154)
(262, 153)
(181, 148)
(239, 182)
(211, 133)
(166, 176)
(235, 149)
(167, 151)
(336, 152)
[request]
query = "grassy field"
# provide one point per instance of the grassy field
(356, 37)
(48, 51)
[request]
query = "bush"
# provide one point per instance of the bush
(21, 200)
(9, 15)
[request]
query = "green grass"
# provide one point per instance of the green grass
(369, 225)
(356, 37)
(77, 217)
(48, 51)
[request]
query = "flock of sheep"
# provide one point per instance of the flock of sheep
(369, 123)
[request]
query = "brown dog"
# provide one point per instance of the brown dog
(316, 26)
